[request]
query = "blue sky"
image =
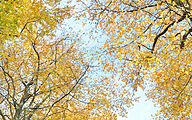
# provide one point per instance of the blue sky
(141, 110)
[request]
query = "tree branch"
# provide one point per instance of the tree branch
(165, 30)
(2, 115)
(67, 93)
(184, 86)
(184, 38)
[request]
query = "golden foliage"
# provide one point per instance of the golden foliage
(148, 46)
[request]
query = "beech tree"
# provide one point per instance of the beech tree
(148, 46)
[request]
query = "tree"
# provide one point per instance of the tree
(18, 17)
(40, 74)
(45, 79)
(149, 45)
(43, 74)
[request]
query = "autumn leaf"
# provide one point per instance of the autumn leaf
(162, 30)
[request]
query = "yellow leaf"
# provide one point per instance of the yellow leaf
(174, 3)
(158, 5)
(182, 69)
(186, 72)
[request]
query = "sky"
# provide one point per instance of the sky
(141, 110)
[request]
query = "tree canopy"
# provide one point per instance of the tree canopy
(149, 45)
(41, 73)
(46, 74)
